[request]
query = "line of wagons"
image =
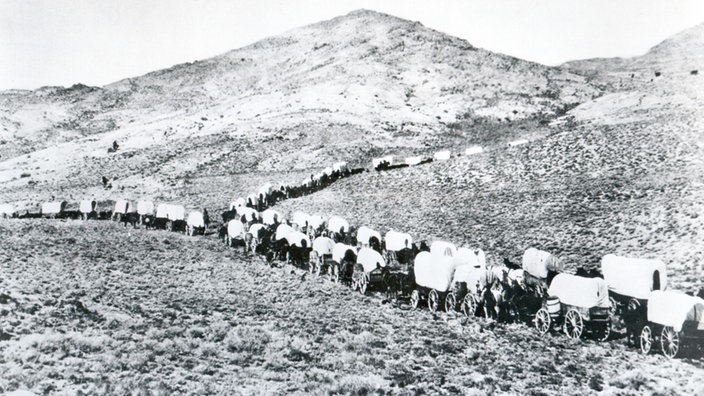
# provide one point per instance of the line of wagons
(630, 291)
(444, 277)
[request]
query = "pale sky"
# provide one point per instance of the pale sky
(96, 42)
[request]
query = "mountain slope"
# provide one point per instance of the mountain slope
(350, 87)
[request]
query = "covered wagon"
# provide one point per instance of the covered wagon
(299, 247)
(6, 210)
(271, 216)
(53, 209)
(87, 209)
(675, 321)
(255, 236)
(237, 203)
(433, 276)
(365, 235)
(443, 155)
(122, 206)
(577, 305)
(467, 287)
(195, 223)
(321, 256)
(631, 280)
(235, 232)
(344, 257)
(145, 210)
(474, 257)
(443, 248)
(369, 271)
(540, 267)
(399, 247)
(338, 225)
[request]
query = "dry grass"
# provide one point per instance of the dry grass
(97, 308)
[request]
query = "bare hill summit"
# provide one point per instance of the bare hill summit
(349, 88)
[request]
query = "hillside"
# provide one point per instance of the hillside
(349, 87)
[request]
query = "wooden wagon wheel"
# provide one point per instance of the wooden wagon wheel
(646, 339)
(543, 321)
(450, 302)
(433, 300)
(573, 324)
(669, 342)
(363, 284)
(469, 306)
(415, 298)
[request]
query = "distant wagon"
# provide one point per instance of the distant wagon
(433, 275)
(341, 267)
(370, 270)
(195, 223)
(121, 208)
(321, 257)
(675, 321)
(469, 281)
(6, 211)
(271, 216)
(442, 155)
(577, 305)
(631, 280)
(518, 142)
(365, 235)
(87, 208)
(53, 209)
(473, 150)
(443, 248)
(338, 225)
(145, 209)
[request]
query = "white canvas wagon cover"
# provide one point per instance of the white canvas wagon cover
(87, 206)
(145, 207)
(235, 229)
(538, 262)
(633, 277)
(476, 278)
(254, 229)
(442, 155)
(580, 291)
(434, 271)
(237, 203)
(474, 257)
(339, 250)
(443, 248)
(175, 212)
(195, 219)
(297, 238)
(336, 223)
(248, 213)
(364, 234)
(268, 216)
(6, 209)
(323, 245)
(369, 258)
(389, 159)
(301, 218)
(671, 308)
(396, 241)
(266, 189)
(53, 207)
(162, 211)
(473, 150)
(121, 206)
(283, 230)
(340, 166)
(315, 221)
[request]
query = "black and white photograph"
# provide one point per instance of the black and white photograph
(353, 197)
